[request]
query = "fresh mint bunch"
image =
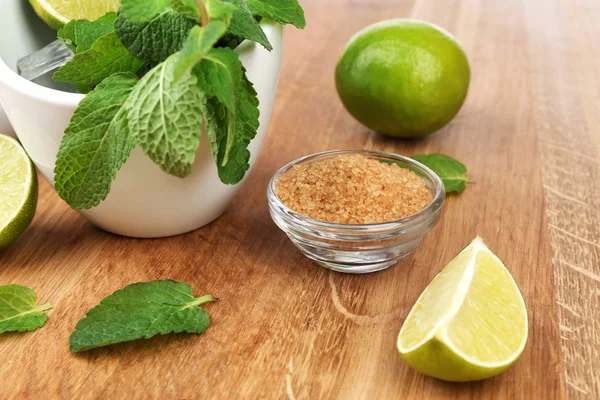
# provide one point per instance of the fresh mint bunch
(161, 73)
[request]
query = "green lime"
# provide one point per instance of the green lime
(470, 322)
(56, 13)
(403, 78)
(18, 190)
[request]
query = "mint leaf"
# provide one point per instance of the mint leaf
(220, 10)
(107, 56)
(155, 40)
(282, 11)
(199, 42)
(96, 143)
(67, 34)
(232, 169)
(141, 311)
(451, 171)
(166, 117)
(87, 32)
(142, 10)
(19, 311)
(245, 25)
(221, 75)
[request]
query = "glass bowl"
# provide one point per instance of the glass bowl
(359, 248)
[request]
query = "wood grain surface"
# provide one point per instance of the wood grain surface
(286, 328)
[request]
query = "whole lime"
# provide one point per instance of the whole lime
(403, 78)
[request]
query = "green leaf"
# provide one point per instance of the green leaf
(96, 143)
(166, 117)
(142, 10)
(107, 56)
(245, 25)
(220, 10)
(221, 76)
(87, 32)
(141, 311)
(451, 171)
(233, 169)
(155, 40)
(19, 311)
(282, 11)
(67, 33)
(199, 42)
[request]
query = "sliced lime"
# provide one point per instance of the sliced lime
(56, 13)
(18, 190)
(470, 323)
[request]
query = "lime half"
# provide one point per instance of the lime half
(18, 190)
(57, 13)
(470, 322)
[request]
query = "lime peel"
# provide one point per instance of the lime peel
(18, 186)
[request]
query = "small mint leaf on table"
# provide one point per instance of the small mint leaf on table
(97, 142)
(107, 56)
(451, 171)
(19, 311)
(243, 24)
(141, 311)
(155, 40)
(282, 11)
(142, 10)
(165, 117)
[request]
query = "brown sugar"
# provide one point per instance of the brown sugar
(352, 189)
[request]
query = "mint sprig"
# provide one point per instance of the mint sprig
(158, 80)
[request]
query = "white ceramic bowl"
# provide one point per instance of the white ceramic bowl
(144, 201)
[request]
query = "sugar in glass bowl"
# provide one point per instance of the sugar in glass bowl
(358, 248)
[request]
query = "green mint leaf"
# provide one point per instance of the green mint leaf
(198, 43)
(234, 113)
(244, 24)
(107, 56)
(452, 172)
(282, 11)
(220, 10)
(215, 124)
(19, 311)
(233, 169)
(155, 40)
(220, 75)
(67, 34)
(142, 10)
(141, 311)
(96, 143)
(166, 117)
(87, 32)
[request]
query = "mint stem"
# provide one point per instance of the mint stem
(44, 307)
(201, 300)
(204, 18)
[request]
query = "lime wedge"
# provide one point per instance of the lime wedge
(470, 323)
(18, 190)
(57, 13)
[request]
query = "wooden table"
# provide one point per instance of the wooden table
(529, 133)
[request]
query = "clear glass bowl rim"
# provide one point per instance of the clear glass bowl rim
(423, 215)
